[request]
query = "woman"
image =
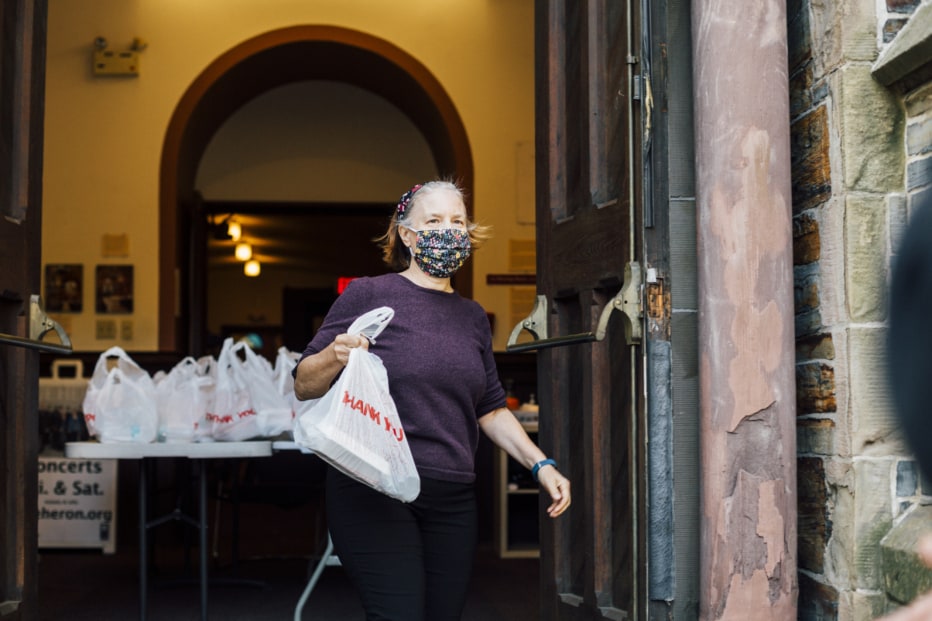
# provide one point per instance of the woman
(411, 562)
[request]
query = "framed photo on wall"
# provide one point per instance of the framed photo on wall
(64, 288)
(114, 289)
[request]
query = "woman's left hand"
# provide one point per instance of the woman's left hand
(558, 486)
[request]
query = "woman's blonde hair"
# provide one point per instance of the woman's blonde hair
(394, 252)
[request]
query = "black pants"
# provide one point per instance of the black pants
(409, 562)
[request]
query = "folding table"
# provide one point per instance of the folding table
(197, 452)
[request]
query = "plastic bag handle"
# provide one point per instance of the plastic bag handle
(371, 324)
(116, 351)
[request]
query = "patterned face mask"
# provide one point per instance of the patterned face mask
(440, 252)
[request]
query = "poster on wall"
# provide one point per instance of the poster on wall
(64, 288)
(114, 289)
(77, 503)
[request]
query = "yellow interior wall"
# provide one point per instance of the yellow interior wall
(103, 136)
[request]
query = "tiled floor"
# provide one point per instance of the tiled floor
(77, 585)
(84, 585)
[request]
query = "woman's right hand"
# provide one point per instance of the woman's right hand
(343, 343)
(316, 372)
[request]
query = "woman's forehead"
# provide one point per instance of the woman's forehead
(442, 202)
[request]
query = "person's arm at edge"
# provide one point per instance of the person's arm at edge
(921, 608)
(506, 432)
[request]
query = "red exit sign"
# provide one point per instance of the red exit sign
(342, 281)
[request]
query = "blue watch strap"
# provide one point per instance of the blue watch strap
(541, 464)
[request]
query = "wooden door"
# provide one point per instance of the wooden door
(592, 559)
(22, 75)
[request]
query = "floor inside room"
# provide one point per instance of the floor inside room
(258, 568)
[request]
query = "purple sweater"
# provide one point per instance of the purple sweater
(437, 351)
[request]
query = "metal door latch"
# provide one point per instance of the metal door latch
(40, 324)
(627, 300)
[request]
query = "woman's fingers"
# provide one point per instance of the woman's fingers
(343, 343)
(558, 486)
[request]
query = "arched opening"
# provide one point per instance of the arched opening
(299, 53)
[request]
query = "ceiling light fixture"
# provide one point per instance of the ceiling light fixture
(252, 268)
(243, 251)
(234, 229)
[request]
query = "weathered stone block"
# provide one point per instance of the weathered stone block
(815, 388)
(919, 137)
(805, 292)
(809, 322)
(873, 424)
(815, 436)
(919, 101)
(873, 519)
(815, 347)
(839, 558)
(800, 91)
(814, 526)
(819, 92)
(866, 257)
(919, 173)
(891, 27)
(798, 34)
(907, 478)
(806, 240)
(902, 6)
(809, 154)
(860, 606)
(817, 601)
(871, 131)
(842, 31)
(904, 574)
(898, 218)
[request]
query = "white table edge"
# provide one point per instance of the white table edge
(193, 450)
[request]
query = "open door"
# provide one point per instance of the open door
(22, 78)
(589, 369)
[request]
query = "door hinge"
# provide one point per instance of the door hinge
(39, 325)
(627, 300)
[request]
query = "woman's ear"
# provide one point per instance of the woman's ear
(408, 237)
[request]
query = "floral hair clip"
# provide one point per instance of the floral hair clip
(406, 200)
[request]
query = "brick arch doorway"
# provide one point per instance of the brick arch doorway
(257, 65)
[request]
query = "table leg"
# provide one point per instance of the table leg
(143, 540)
(203, 535)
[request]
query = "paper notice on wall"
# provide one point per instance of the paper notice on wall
(77, 503)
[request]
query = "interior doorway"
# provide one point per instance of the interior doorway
(255, 67)
(303, 176)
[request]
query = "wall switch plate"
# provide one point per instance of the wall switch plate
(106, 329)
(109, 62)
(126, 330)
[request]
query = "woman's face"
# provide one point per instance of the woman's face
(440, 209)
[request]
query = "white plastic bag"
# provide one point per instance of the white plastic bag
(355, 425)
(232, 416)
(120, 402)
(273, 409)
(184, 397)
(285, 363)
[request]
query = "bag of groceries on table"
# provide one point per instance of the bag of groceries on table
(120, 402)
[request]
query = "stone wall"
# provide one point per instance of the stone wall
(860, 154)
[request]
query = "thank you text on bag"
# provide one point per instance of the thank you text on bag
(367, 409)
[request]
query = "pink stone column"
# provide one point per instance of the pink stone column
(746, 338)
